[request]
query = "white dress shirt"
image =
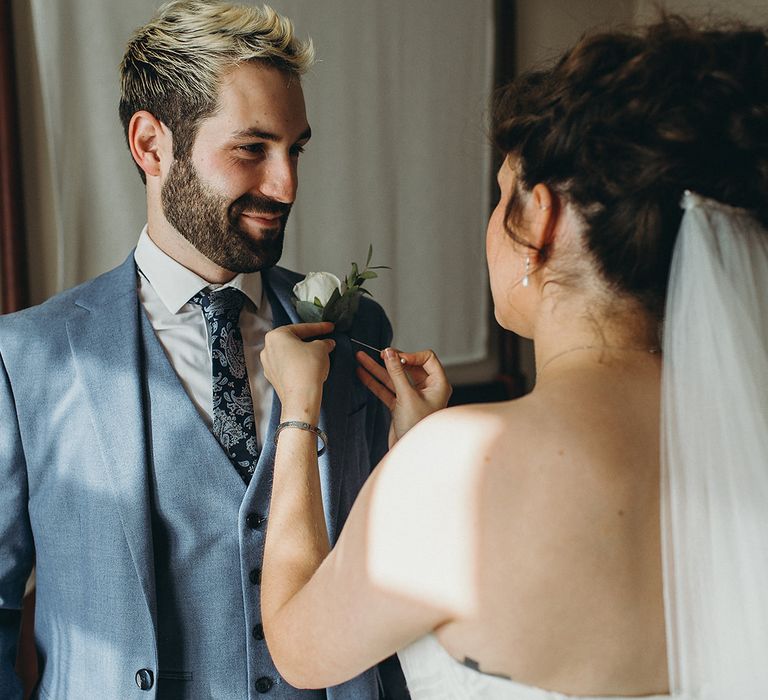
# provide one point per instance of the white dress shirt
(165, 288)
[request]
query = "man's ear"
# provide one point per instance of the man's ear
(542, 216)
(150, 142)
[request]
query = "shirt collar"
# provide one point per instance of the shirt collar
(176, 285)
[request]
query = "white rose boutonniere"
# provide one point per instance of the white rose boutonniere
(317, 288)
(321, 296)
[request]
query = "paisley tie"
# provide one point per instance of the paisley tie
(233, 419)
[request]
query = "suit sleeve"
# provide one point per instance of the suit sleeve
(378, 414)
(16, 544)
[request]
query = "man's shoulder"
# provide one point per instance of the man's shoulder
(58, 308)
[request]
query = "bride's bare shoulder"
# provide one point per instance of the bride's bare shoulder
(455, 440)
(488, 423)
(534, 436)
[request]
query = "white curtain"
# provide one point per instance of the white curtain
(754, 11)
(399, 158)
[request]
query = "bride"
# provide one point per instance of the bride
(605, 535)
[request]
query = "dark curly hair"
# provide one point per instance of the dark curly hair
(624, 123)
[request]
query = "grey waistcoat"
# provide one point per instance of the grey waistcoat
(207, 552)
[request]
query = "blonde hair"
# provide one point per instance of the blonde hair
(173, 65)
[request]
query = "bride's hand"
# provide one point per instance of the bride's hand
(297, 367)
(411, 390)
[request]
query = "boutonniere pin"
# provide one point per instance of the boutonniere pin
(321, 296)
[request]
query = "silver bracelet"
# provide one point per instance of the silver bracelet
(304, 426)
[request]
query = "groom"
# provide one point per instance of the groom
(136, 426)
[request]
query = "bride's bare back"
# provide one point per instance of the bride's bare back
(567, 569)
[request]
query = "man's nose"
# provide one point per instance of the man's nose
(280, 180)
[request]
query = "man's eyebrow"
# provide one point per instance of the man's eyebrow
(254, 133)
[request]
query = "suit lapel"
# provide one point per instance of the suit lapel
(279, 287)
(105, 343)
(337, 394)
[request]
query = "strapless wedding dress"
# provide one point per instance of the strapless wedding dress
(433, 674)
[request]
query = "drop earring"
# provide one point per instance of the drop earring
(526, 281)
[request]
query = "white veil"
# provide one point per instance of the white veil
(715, 455)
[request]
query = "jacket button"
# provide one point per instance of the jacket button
(145, 679)
(255, 577)
(254, 520)
(264, 685)
(258, 632)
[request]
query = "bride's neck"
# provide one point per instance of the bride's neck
(571, 333)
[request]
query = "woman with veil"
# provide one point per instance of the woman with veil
(605, 535)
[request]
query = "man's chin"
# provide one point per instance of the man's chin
(252, 255)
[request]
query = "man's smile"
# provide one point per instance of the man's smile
(262, 219)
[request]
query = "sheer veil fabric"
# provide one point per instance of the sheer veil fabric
(714, 487)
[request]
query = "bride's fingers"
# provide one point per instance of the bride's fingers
(417, 375)
(425, 368)
(377, 388)
(396, 370)
(426, 359)
(375, 369)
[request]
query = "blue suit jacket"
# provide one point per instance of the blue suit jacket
(74, 491)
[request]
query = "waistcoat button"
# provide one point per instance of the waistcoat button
(258, 632)
(145, 679)
(264, 685)
(255, 577)
(254, 520)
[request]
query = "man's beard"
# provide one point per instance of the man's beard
(210, 222)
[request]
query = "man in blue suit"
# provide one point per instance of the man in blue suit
(136, 426)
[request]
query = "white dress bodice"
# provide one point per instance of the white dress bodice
(433, 674)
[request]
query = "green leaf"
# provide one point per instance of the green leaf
(308, 312)
(335, 295)
(368, 275)
(345, 311)
(370, 255)
(380, 267)
(330, 312)
(317, 302)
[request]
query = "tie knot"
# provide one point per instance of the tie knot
(220, 303)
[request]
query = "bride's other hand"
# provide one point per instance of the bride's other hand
(297, 367)
(411, 390)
